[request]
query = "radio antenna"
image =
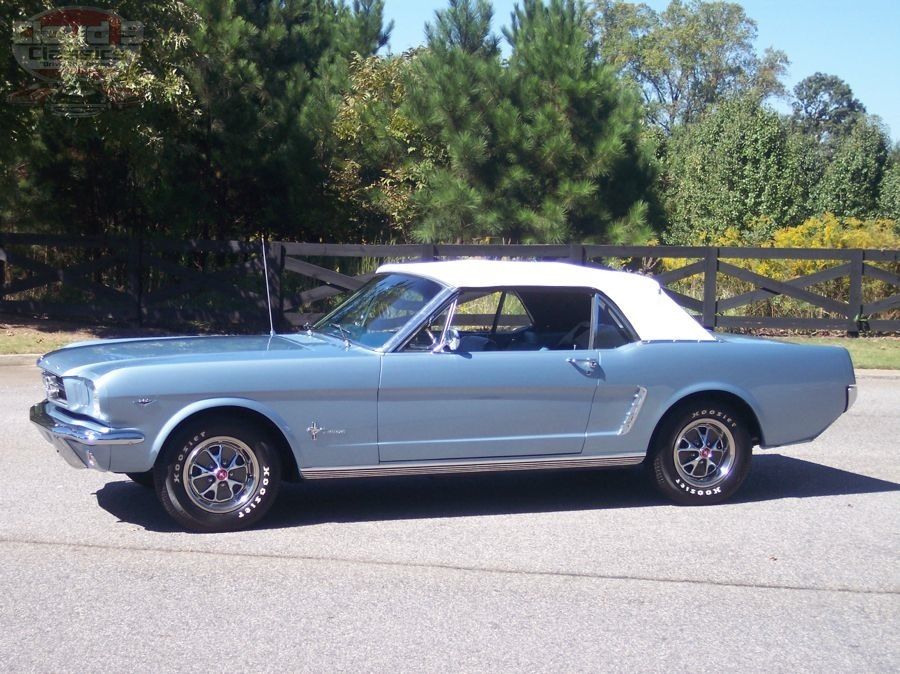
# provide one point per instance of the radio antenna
(265, 258)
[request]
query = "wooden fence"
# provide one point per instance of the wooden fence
(220, 284)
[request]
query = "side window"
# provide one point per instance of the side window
(475, 320)
(611, 329)
(483, 320)
(524, 319)
(429, 335)
(513, 316)
(475, 311)
(561, 317)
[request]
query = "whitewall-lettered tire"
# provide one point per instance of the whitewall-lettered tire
(217, 474)
(702, 453)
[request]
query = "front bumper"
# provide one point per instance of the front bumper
(81, 442)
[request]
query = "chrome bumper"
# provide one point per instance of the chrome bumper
(73, 438)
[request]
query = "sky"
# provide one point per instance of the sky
(857, 41)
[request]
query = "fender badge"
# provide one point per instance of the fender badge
(315, 429)
(143, 402)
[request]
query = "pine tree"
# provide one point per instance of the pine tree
(455, 88)
(543, 148)
(580, 170)
(233, 134)
(267, 77)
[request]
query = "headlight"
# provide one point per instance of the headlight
(80, 396)
(54, 387)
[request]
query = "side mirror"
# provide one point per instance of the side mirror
(448, 344)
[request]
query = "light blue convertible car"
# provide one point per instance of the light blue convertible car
(442, 367)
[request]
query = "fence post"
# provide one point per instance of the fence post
(2, 270)
(711, 268)
(429, 253)
(576, 253)
(855, 304)
(134, 276)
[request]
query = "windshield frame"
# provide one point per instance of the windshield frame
(321, 326)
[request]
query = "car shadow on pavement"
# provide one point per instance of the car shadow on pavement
(135, 504)
(773, 477)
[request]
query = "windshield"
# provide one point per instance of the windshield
(379, 309)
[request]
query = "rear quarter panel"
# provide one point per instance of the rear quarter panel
(795, 391)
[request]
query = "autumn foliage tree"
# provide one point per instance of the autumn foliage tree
(736, 169)
(687, 57)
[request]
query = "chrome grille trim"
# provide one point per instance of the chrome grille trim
(471, 467)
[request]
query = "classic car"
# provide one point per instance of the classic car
(441, 367)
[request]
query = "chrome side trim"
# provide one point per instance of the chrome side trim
(631, 416)
(82, 431)
(470, 467)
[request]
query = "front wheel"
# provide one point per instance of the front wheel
(217, 475)
(702, 454)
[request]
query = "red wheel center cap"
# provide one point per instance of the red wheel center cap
(221, 475)
(705, 453)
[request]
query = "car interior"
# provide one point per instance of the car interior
(524, 319)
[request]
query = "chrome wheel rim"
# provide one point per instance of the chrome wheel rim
(220, 474)
(704, 453)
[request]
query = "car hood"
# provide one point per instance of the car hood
(100, 356)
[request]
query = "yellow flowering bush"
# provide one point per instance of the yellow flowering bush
(823, 231)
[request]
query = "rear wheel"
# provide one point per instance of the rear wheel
(702, 453)
(217, 474)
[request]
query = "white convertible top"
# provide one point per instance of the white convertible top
(652, 313)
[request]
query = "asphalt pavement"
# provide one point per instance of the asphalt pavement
(561, 572)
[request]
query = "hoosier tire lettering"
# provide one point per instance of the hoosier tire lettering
(262, 492)
(715, 414)
(701, 492)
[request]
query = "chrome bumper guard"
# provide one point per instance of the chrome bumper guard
(851, 396)
(73, 437)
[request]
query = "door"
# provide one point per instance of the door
(512, 376)
(467, 405)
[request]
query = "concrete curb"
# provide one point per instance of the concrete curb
(877, 374)
(19, 359)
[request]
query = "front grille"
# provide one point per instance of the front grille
(54, 387)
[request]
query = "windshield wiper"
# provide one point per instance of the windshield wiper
(345, 335)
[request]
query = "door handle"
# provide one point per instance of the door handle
(586, 365)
